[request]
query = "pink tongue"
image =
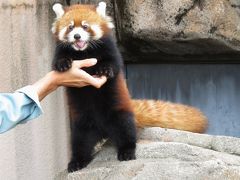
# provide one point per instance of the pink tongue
(80, 44)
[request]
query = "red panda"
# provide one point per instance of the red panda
(84, 31)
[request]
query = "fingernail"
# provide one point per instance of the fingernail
(94, 61)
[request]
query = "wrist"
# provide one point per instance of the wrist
(52, 78)
(46, 85)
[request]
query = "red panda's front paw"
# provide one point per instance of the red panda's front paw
(105, 71)
(62, 65)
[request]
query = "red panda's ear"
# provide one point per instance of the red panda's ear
(58, 9)
(101, 9)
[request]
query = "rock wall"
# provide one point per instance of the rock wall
(179, 27)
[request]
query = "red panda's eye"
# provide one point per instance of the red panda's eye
(71, 27)
(85, 27)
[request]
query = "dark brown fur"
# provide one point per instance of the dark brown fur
(96, 113)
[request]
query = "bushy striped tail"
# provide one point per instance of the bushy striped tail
(151, 113)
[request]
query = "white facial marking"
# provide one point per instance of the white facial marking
(97, 30)
(62, 34)
(110, 25)
(85, 36)
(109, 22)
(101, 9)
(85, 23)
(78, 30)
(58, 9)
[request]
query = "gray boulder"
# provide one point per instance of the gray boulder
(167, 154)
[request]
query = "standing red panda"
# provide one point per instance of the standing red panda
(84, 31)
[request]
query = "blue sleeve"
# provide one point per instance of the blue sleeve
(18, 107)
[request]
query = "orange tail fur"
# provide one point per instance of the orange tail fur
(151, 113)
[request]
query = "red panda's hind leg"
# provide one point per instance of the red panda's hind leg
(122, 131)
(82, 141)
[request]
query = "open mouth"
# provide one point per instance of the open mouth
(80, 45)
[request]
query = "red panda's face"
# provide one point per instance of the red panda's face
(81, 26)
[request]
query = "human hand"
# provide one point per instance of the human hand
(76, 77)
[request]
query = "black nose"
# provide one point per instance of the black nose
(77, 36)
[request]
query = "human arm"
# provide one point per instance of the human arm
(18, 107)
(24, 104)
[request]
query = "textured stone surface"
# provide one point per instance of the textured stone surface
(167, 154)
(179, 27)
(217, 143)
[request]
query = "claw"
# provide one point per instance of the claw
(105, 71)
(62, 65)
